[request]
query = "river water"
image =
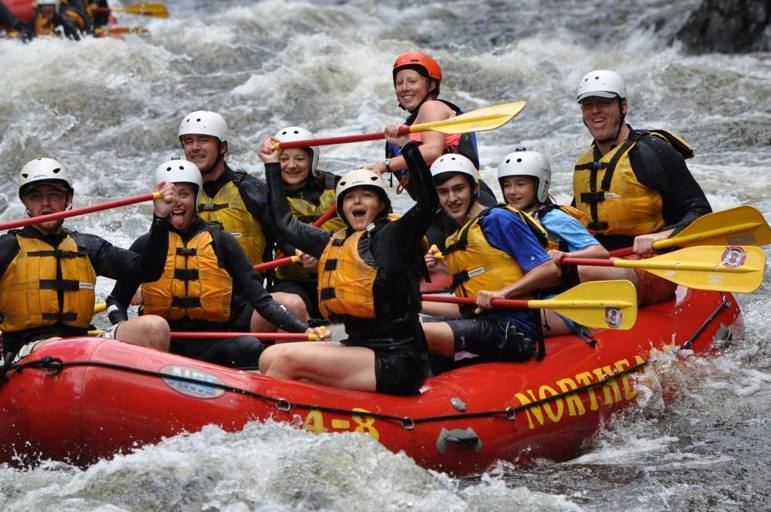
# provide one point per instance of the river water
(109, 109)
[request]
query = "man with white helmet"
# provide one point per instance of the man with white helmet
(204, 266)
(235, 199)
(633, 185)
(48, 273)
(524, 177)
(369, 276)
(496, 253)
(310, 193)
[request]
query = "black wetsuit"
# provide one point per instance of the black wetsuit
(395, 335)
(107, 260)
(247, 287)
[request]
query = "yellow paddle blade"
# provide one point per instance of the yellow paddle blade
(488, 118)
(742, 225)
(111, 31)
(598, 304)
(708, 267)
(157, 10)
(99, 307)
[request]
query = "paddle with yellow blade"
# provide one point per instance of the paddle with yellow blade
(703, 267)
(598, 304)
(154, 9)
(742, 225)
(488, 118)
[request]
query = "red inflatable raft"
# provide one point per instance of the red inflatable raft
(79, 400)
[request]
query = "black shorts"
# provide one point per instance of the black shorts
(239, 352)
(493, 338)
(307, 292)
(401, 364)
(400, 368)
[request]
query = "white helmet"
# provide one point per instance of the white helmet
(45, 170)
(527, 163)
(40, 3)
(203, 122)
(454, 162)
(360, 178)
(180, 171)
(602, 83)
(293, 133)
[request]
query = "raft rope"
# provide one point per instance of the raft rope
(54, 366)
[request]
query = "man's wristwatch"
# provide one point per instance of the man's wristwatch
(387, 165)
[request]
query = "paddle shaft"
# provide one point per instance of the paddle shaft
(279, 262)
(524, 304)
(107, 31)
(285, 336)
(79, 211)
(501, 303)
(288, 260)
(341, 139)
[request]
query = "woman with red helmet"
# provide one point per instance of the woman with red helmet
(417, 77)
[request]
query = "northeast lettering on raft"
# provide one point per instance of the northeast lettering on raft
(571, 402)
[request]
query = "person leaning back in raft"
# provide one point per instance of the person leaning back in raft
(205, 277)
(369, 276)
(311, 193)
(48, 273)
(496, 253)
(633, 185)
(417, 78)
(524, 177)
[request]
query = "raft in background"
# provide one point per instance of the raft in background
(83, 399)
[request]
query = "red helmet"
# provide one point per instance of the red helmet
(418, 59)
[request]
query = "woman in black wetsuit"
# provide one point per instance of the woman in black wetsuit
(368, 279)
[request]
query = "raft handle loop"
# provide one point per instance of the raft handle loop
(408, 423)
(282, 404)
(53, 365)
(511, 413)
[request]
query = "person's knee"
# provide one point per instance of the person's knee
(159, 333)
(149, 331)
(293, 303)
(283, 363)
(267, 357)
(589, 273)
